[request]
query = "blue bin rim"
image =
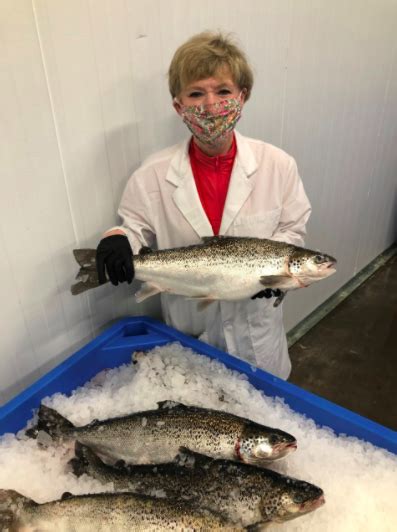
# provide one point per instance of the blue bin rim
(299, 400)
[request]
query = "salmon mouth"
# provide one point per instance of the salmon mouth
(282, 449)
(327, 268)
(309, 506)
(328, 265)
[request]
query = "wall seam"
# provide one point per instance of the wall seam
(288, 45)
(61, 159)
(56, 128)
(377, 148)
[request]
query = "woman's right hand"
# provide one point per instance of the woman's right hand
(114, 257)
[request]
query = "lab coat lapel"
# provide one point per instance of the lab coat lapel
(185, 196)
(240, 186)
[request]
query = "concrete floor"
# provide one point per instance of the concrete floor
(350, 356)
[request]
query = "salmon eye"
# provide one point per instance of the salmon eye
(318, 259)
(299, 498)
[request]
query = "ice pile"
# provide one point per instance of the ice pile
(358, 479)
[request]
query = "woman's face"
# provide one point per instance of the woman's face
(209, 91)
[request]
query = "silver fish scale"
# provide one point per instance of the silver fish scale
(222, 268)
(223, 251)
(236, 490)
(155, 436)
(244, 493)
(229, 268)
(121, 512)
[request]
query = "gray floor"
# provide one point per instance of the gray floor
(350, 356)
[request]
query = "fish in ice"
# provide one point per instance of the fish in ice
(246, 494)
(220, 268)
(105, 511)
(155, 436)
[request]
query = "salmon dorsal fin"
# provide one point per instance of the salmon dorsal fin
(94, 422)
(167, 405)
(213, 239)
(145, 250)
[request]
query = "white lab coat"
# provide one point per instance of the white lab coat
(160, 207)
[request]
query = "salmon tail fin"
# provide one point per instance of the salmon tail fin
(84, 459)
(11, 503)
(52, 423)
(88, 276)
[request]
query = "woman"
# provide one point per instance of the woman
(215, 182)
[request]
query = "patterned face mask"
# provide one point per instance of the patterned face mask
(210, 123)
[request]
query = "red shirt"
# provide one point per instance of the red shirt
(212, 176)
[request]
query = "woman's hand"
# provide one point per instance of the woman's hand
(114, 256)
(268, 293)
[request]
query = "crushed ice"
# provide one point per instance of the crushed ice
(359, 480)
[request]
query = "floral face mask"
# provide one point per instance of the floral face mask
(210, 123)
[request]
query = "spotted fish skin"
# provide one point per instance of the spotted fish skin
(246, 494)
(106, 511)
(220, 268)
(155, 436)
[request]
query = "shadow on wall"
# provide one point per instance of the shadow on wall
(393, 219)
(152, 308)
(98, 172)
(143, 121)
(16, 388)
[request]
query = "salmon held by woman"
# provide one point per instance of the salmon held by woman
(221, 268)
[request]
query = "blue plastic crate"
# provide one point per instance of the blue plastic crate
(115, 346)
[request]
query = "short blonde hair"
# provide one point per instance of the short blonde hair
(205, 54)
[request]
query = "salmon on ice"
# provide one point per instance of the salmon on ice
(154, 436)
(102, 512)
(245, 494)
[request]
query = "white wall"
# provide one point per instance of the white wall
(84, 99)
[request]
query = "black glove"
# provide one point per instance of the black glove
(267, 293)
(115, 254)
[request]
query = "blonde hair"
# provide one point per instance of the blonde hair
(205, 54)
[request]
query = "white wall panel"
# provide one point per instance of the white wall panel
(338, 69)
(34, 210)
(84, 99)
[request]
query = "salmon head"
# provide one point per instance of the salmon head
(258, 444)
(290, 498)
(308, 266)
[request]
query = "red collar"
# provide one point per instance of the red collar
(215, 160)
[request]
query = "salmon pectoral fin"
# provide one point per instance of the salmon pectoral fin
(147, 290)
(279, 299)
(259, 527)
(273, 281)
(202, 301)
(202, 305)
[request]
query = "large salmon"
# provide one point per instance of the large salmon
(227, 268)
(104, 512)
(154, 436)
(245, 494)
